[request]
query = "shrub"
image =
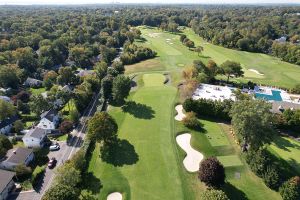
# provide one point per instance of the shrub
(212, 194)
(37, 174)
(212, 172)
(271, 177)
(22, 171)
(290, 190)
(66, 126)
(191, 121)
(61, 191)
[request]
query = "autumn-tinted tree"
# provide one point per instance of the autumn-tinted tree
(121, 88)
(102, 127)
(189, 73)
(190, 120)
(230, 68)
(212, 172)
(66, 126)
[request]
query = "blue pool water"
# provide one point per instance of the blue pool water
(274, 97)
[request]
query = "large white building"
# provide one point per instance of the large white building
(35, 138)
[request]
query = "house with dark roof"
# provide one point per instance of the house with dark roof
(281, 106)
(49, 120)
(32, 82)
(6, 183)
(5, 98)
(35, 138)
(15, 157)
(7, 124)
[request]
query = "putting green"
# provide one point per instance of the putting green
(215, 136)
(153, 80)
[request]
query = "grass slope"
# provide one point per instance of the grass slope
(276, 72)
(145, 128)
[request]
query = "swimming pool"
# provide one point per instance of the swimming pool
(274, 97)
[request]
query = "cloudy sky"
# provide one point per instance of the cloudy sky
(28, 2)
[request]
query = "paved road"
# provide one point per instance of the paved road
(66, 151)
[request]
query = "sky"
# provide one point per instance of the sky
(60, 2)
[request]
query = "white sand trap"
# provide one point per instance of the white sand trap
(255, 71)
(171, 43)
(154, 35)
(114, 196)
(193, 158)
(180, 115)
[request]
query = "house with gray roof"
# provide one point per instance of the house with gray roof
(7, 124)
(32, 82)
(281, 106)
(6, 183)
(49, 120)
(15, 157)
(35, 138)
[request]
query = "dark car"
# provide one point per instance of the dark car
(52, 162)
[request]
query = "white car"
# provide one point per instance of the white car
(54, 147)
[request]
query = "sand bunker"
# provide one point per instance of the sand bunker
(180, 115)
(193, 158)
(114, 196)
(255, 71)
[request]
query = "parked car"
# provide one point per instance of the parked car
(52, 162)
(54, 147)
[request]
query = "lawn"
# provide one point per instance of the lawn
(287, 149)
(144, 164)
(275, 72)
(68, 107)
(241, 182)
(36, 91)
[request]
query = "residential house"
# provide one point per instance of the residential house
(34, 83)
(281, 39)
(15, 157)
(7, 124)
(86, 72)
(35, 138)
(5, 98)
(6, 183)
(67, 88)
(49, 120)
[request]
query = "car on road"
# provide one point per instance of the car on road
(54, 147)
(52, 162)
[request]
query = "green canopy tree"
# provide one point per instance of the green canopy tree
(121, 88)
(102, 127)
(252, 122)
(60, 191)
(230, 68)
(198, 49)
(6, 109)
(38, 104)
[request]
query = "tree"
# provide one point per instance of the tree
(8, 77)
(67, 175)
(212, 172)
(119, 67)
(182, 37)
(66, 76)
(61, 191)
(22, 170)
(106, 87)
(101, 69)
(190, 120)
(189, 73)
(5, 145)
(18, 126)
(121, 88)
(212, 69)
(188, 88)
(252, 122)
(190, 44)
(38, 104)
(290, 190)
(102, 127)
(87, 195)
(212, 194)
(74, 115)
(198, 49)
(49, 79)
(66, 126)
(6, 110)
(230, 68)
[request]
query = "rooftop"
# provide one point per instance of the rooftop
(36, 133)
(6, 177)
(50, 114)
(18, 155)
(8, 121)
(280, 106)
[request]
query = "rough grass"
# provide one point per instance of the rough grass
(287, 149)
